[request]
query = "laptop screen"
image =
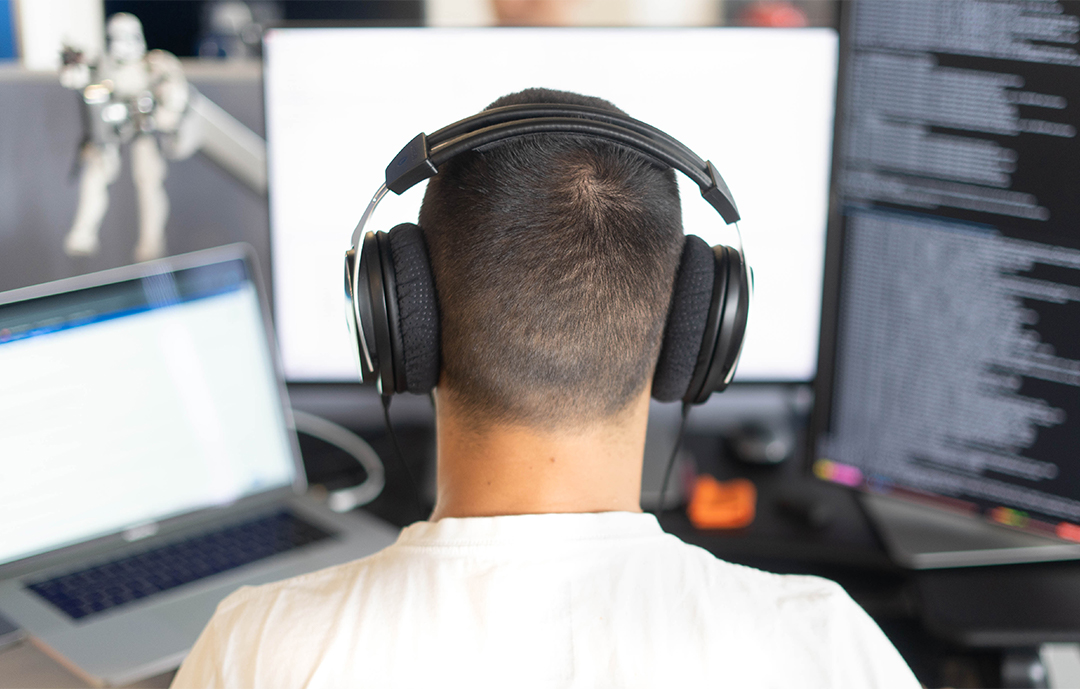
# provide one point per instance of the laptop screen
(129, 402)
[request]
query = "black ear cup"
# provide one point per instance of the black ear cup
(706, 324)
(730, 308)
(417, 308)
(399, 314)
(686, 321)
(372, 298)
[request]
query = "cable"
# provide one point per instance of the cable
(348, 442)
(401, 458)
(671, 461)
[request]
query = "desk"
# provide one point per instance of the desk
(23, 666)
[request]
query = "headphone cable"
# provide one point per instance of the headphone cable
(671, 461)
(401, 458)
(327, 431)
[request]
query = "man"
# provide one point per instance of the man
(554, 259)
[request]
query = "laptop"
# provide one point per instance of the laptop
(148, 462)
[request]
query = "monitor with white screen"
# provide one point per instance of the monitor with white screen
(758, 103)
(131, 402)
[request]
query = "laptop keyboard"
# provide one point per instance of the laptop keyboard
(115, 583)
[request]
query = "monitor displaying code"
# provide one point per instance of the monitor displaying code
(955, 370)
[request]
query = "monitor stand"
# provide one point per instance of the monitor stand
(918, 536)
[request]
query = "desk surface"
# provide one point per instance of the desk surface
(24, 666)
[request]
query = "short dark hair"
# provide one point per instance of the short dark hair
(554, 257)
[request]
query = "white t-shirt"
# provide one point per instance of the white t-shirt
(552, 600)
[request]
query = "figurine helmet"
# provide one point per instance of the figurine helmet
(126, 41)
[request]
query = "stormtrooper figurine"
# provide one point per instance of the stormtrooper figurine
(131, 96)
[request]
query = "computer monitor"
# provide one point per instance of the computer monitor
(950, 367)
(758, 103)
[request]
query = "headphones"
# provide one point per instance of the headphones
(390, 301)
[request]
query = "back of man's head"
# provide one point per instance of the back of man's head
(554, 257)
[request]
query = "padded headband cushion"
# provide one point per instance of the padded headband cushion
(687, 315)
(418, 313)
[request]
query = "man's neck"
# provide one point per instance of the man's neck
(522, 470)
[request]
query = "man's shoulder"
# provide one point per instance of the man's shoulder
(304, 590)
(765, 587)
(282, 628)
(826, 638)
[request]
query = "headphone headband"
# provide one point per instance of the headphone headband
(421, 157)
(660, 154)
(508, 113)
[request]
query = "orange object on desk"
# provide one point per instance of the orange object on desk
(722, 504)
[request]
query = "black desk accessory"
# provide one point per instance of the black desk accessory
(805, 507)
(1004, 606)
(762, 443)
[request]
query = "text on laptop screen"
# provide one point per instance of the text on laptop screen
(759, 103)
(134, 401)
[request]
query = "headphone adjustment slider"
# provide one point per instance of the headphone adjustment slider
(718, 195)
(410, 166)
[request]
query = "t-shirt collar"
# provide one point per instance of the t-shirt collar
(531, 528)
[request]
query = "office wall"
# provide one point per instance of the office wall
(40, 130)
